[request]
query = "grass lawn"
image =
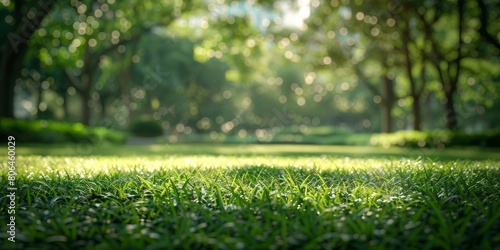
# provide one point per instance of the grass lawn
(252, 197)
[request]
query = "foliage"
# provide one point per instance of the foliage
(236, 202)
(146, 127)
(437, 139)
(281, 138)
(327, 130)
(46, 131)
(229, 67)
(330, 135)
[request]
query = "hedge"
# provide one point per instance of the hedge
(48, 131)
(146, 127)
(437, 139)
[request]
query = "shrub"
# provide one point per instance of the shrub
(491, 138)
(328, 130)
(146, 127)
(436, 139)
(43, 131)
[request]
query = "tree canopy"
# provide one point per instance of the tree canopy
(240, 66)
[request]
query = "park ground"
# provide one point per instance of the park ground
(253, 196)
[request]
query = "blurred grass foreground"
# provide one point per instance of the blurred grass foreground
(269, 197)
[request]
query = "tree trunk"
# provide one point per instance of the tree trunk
(39, 99)
(414, 93)
(124, 81)
(7, 94)
(451, 88)
(387, 104)
(13, 49)
(104, 100)
(388, 96)
(86, 112)
(83, 85)
(103, 106)
(428, 107)
(386, 118)
(451, 114)
(65, 105)
(415, 107)
(10, 67)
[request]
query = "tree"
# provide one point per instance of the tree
(449, 58)
(22, 19)
(486, 19)
(359, 38)
(411, 41)
(88, 31)
(407, 38)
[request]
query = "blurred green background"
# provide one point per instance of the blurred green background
(306, 71)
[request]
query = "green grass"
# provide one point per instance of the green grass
(288, 150)
(264, 197)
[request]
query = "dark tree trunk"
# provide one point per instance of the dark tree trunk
(103, 106)
(124, 81)
(386, 118)
(415, 107)
(428, 106)
(10, 67)
(387, 104)
(86, 112)
(387, 95)
(39, 99)
(7, 93)
(449, 70)
(65, 105)
(451, 114)
(13, 49)
(83, 85)
(414, 92)
(451, 88)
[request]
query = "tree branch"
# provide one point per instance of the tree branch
(97, 57)
(483, 30)
(408, 60)
(134, 37)
(458, 60)
(27, 28)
